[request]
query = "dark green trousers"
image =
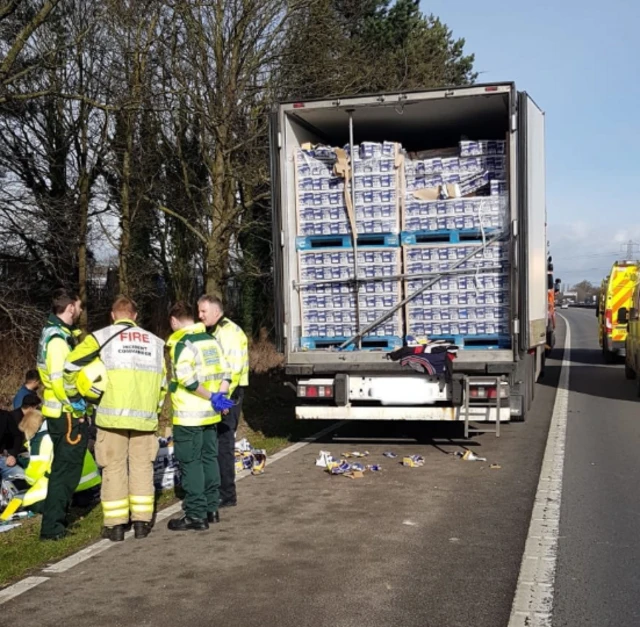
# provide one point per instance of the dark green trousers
(65, 474)
(196, 449)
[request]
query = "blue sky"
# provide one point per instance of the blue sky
(580, 61)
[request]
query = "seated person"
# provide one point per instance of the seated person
(10, 446)
(40, 448)
(31, 385)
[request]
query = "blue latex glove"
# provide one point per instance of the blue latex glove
(220, 402)
(79, 406)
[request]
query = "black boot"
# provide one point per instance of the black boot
(185, 524)
(115, 534)
(141, 529)
(228, 503)
(213, 517)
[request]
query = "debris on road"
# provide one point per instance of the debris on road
(248, 458)
(413, 461)
(324, 459)
(355, 454)
(495, 467)
(390, 455)
(469, 456)
(374, 467)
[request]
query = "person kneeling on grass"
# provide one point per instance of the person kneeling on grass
(40, 448)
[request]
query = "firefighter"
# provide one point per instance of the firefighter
(235, 347)
(126, 417)
(199, 388)
(67, 427)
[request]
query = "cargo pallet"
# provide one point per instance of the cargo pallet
(451, 236)
(369, 240)
(476, 342)
(370, 342)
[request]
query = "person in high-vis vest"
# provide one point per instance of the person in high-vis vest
(199, 388)
(235, 347)
(66, 422)
(126, 416)
(40, 447)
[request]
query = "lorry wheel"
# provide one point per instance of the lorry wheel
(607, 356)
(629, 372)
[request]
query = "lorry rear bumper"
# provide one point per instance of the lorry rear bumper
(477, 413)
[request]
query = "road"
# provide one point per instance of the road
(436, 546)
(598, 579)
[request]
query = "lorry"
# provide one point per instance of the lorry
(493, 377)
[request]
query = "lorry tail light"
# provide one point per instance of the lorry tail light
(608, 319)
(487, 391)
(315, 391)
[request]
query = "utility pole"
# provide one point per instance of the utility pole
(632, 248)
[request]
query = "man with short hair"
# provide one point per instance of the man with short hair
(198, 388)
(31, 384)
(126, 417)
(235, 347)
(67, 427)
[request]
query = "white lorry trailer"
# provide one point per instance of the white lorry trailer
(347, 375)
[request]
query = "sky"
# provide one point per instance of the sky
(580, 62)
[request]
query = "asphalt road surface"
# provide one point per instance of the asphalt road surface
(436, 546)
(598, 571)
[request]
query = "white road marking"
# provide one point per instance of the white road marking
(99, 547)
(76, 558)
(533, 601)
(23, 585)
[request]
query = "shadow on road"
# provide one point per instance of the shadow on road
(592, 377)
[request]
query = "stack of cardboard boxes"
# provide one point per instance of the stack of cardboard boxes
(415, 215)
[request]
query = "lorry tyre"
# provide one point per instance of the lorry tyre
(629, 372)
(607, 356)
(528, 376)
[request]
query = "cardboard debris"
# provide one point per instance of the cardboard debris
(469, 456)
(413, 461)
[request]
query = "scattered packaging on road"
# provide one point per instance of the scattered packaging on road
(390, 455)
(413, 461)
(324, 459)
(248, 458)
(469, 456)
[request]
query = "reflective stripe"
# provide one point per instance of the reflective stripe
(115, 504)
(141, 500)
(116, 513)
(71, 367)
(142, 509)
(52, 404)
(91, 475)
(115, 509)
(130, 413)
(196, 354)
(189, 382)
(194, 414)
(54, 376)
(38, 458)
(216, 377)
(130, 364)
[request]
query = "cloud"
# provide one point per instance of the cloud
(583, 250)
